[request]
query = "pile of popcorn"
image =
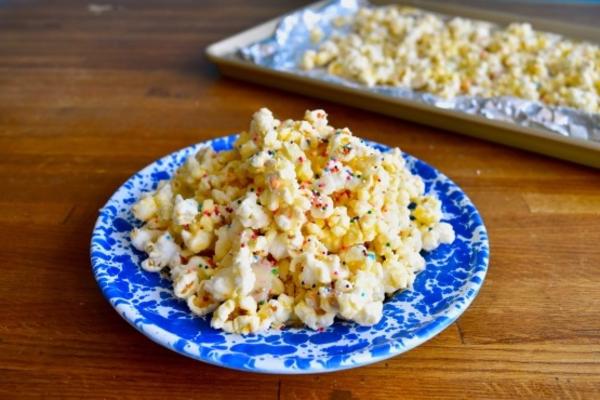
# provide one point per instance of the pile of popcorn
(449, 57)
(299, 223)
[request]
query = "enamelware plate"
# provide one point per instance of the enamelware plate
(441, 293)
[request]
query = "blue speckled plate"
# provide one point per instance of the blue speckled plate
(441, 292)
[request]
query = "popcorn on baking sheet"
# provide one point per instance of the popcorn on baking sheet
(402, 46)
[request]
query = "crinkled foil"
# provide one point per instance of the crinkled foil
(284, 49)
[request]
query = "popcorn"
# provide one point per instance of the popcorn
(396, 276)
(197, 241)
(141, 237)
(316, 35)
(160, 253)
(299, 223)
(201, 303)
(146, 208)
(184, 211)
(442, 233)
(251, 214)
(186, 283)
(450, 57)
(313, 318)
(164, 200)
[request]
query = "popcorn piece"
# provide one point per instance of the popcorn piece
(251, 214)
(160, 253)
(184, 211)
(198, 240)
(141, 237)
(145, 208)
(314, 319)
(316, 35)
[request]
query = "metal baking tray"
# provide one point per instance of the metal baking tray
(225, 55)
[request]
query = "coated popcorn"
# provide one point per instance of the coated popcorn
(449, 57)
(300, 223)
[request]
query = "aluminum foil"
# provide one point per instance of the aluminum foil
(284, 49)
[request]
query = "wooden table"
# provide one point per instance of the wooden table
(90, 93)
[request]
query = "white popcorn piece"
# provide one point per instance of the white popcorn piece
(184, 211)
(251, 214)
(141, 237)
(160, 253)
(145, 208)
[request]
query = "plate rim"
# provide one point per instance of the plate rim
(160, 335)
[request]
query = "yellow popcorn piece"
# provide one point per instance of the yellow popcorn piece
(145, 209)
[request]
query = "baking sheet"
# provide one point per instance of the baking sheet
(545, 137)
(283, 50)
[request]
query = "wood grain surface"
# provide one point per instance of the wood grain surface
(90, 93)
